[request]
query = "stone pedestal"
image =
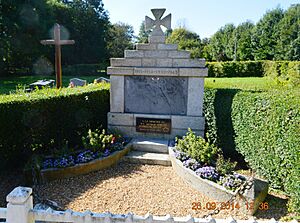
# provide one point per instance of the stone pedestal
(156, 90)
(157, 81)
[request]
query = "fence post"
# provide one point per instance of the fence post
(19, 205)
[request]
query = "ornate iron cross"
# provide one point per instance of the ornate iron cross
(58, 43)
(158, 22)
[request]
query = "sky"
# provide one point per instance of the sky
(204, 17)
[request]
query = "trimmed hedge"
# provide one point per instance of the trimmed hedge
(85, 69)
(265, 129)
(283, 72)
(235, 69)
(44, 119)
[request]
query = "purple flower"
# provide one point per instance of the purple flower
(48, 163)
(106, 153)
(208, 172)
(191, 164)
(232, 181)
(63, 162)
(180, 155)
(85, 157)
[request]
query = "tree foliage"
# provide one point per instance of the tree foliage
(288, 46)
(121, 36)
(186, 40)
(265, 35)
(276, 36)
(24, 24)
(143, 34)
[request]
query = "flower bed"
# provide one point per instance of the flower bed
(195, 161)
(84, 167)
(101, 151)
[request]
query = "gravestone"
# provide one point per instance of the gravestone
(77, 82)
(41, 84)
(101, 79)
(156, 90)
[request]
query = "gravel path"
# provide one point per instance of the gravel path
(132, 188)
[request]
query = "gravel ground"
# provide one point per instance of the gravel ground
(138, 189)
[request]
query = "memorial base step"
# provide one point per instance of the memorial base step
(148, 158)
(151, 145)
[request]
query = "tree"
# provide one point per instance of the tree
(222, 43)
(120, 38)
(87, 23)
(265, 35)
(143, 34)
(242, 41)
(186, 40)
(288, 46)
(24, 23)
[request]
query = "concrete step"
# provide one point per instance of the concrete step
(151, 145)
(148, 158)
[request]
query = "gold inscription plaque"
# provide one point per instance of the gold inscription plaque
(153, 125)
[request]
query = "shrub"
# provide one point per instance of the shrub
(224, 166)
(268, 135)
(235, 69)
(283, 72)
(44, 119)
(97, 140)
(197, 148)
(85, 69)
(266, 132)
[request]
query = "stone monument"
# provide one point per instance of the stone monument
(156, 90)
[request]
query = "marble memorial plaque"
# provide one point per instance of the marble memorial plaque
(156, 95)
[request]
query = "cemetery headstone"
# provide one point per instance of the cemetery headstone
(40, 84)
(156, 90)
(77, 82)
(102, 79)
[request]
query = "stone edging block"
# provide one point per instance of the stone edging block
(256, 194)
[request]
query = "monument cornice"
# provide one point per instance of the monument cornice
(163, 71)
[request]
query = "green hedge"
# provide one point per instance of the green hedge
(235, 69)
(265, 128)
(44, 119)
(85, 69)
(283, 72)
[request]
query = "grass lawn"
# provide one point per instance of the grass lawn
(8, 84)
(243, 83)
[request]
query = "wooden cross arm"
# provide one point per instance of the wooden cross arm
(48, 42)
(66, 42)
(61, 42)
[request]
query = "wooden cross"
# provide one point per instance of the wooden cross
(58, 43)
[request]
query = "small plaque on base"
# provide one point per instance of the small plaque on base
(153, 125)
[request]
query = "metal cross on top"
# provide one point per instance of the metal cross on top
(58, 43)
(158, 22)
